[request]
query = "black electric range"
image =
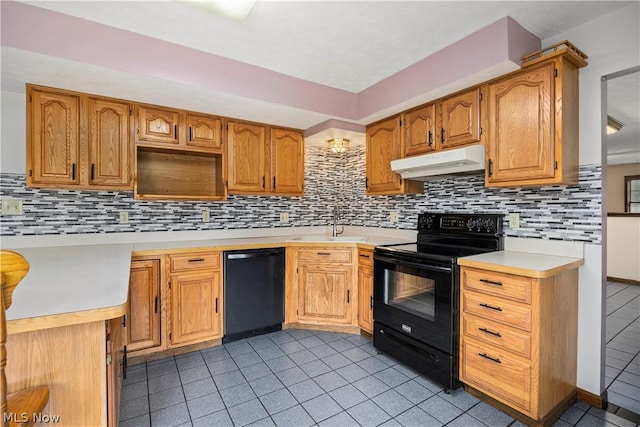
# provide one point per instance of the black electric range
(416, 290)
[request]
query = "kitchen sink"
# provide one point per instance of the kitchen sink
(320, 238)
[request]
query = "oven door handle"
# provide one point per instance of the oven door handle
(419, 266)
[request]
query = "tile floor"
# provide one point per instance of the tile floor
(305, 378)
(622, 369)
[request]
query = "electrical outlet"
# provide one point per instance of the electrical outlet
(393, 216)
(206, 215)
(11, 207)
(284, 217)
(514, 220)
(124, 217)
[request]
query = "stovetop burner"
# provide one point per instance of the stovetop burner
(447, 237)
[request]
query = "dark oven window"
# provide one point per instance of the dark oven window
(410, 292)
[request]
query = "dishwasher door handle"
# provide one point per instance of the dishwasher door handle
(250, 255)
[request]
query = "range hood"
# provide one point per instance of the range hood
(426, 166)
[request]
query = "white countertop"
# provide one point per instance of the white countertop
(64, 280)
(68, 283)
(522, 263)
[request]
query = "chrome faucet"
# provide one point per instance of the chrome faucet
(336, 217)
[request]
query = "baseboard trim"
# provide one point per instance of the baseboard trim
(327, 328)
(599, 401)
(161, 354)
(627, 281)
(547, 420)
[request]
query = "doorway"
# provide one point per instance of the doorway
(621, 155)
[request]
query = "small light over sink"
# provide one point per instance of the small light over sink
(319, 238)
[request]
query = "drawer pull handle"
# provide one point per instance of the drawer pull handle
(490, 332)
(489, 357)
(324, 253)
(196, 260)
(491, 282)
(365, 256)
(491, 307)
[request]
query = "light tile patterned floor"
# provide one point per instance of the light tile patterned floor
(305, 378)
(622, 369)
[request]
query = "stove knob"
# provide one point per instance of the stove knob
(471, 224)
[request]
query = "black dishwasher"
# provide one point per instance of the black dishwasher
(253, 292)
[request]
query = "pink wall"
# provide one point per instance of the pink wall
(51, 33)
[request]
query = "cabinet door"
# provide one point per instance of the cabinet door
(324, 293)
(109, 147)
(365, 298)
(246, 158)
(53, 150)
(520, 145)
(157, 125)
(383, 145)
(116, 365)
(144, 305)
(419, 131)
(461, 119)
(204, 132)
(287, 162)
(195, 307)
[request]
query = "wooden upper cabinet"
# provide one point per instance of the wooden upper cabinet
(77, 141)
(246, 158)
(461, 119)
(204, 132)
(257, 165)
(180, 130)
(420, 133)
(520, 113)
(109, 148)
(157, 125)
(287, 162)
(533, 124)
(383, 145)
(53, 132)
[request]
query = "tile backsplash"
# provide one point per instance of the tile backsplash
(555, 212)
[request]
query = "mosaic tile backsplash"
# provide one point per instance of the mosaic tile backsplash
(555, 212)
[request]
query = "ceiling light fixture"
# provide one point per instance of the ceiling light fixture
(338, 145)
(613, 125)
(236, 10)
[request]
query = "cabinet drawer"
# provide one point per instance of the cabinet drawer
(500, 310)
(325, 255)
(517, 288)
(497, 334)
(496, 373)
(365, 257)
(195, 261)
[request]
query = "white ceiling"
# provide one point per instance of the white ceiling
(346, 45)
(623, 104)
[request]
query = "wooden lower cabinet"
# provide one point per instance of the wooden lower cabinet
(365, 290)
(144, 304)
(519, 339)
(324, 292)
(196, 298)
(116, 366)
(81, 365)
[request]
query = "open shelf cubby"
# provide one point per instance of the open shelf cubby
(178, 175)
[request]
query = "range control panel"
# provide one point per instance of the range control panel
(460, 223)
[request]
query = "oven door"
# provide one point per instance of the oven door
(416, 298)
